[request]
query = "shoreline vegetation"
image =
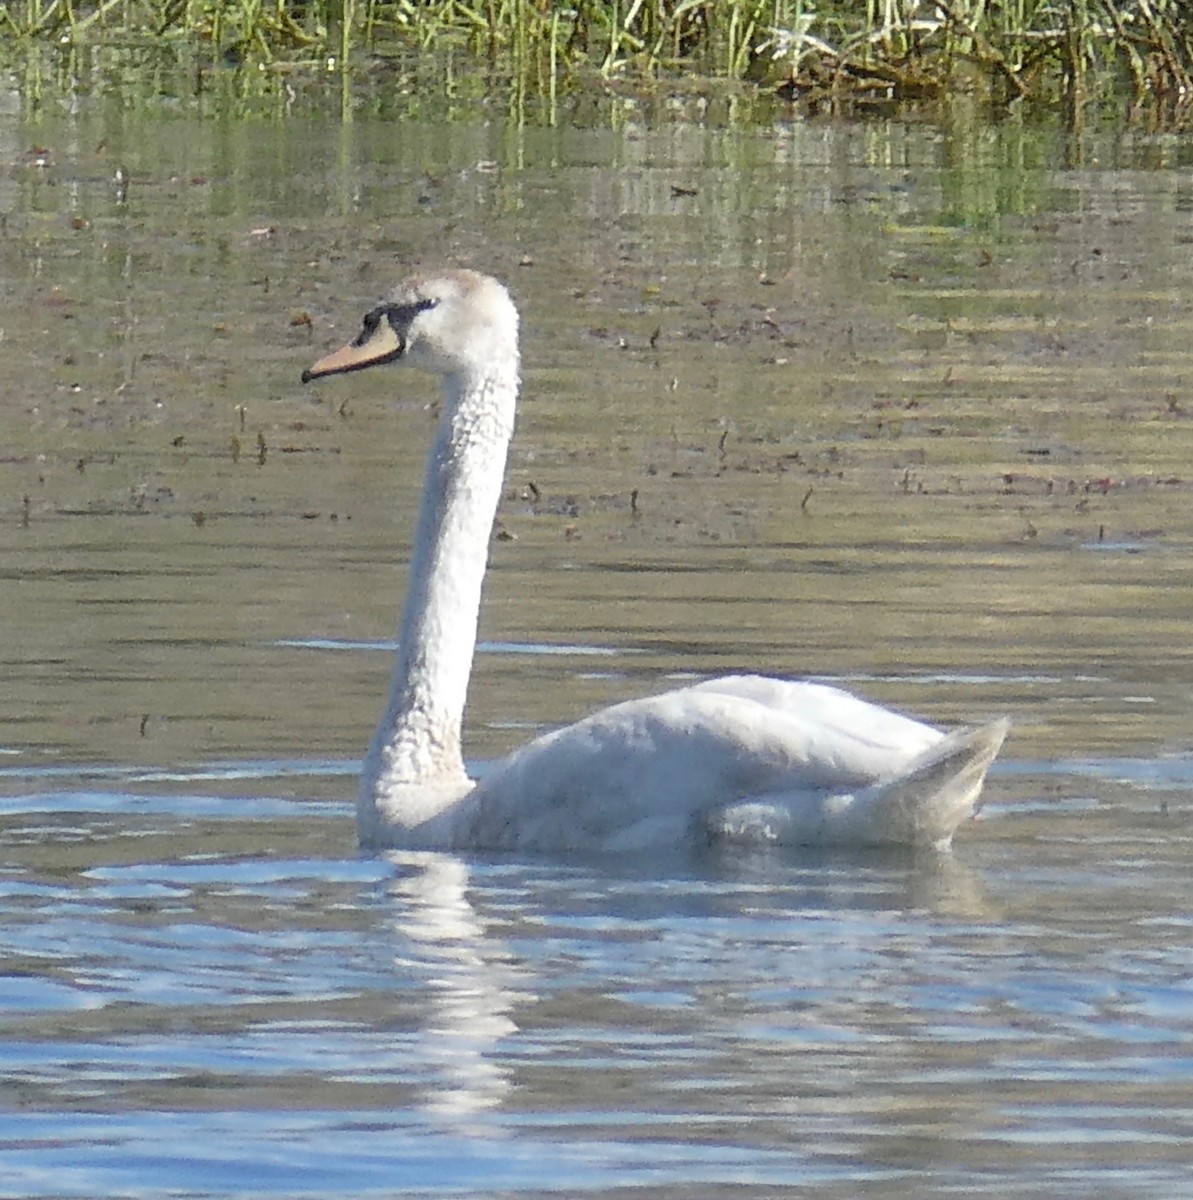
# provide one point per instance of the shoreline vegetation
(833, 55)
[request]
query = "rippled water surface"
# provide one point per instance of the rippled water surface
(899, 406)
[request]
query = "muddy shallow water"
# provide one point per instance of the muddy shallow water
(894, 405)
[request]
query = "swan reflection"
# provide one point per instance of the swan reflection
(470, 983)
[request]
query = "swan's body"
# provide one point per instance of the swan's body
(741, 758)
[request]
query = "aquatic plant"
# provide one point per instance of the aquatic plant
(831, 52)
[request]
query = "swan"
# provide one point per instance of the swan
(742, 758)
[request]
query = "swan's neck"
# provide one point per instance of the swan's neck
(415, 768)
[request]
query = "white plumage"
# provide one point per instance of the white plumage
(740, 758)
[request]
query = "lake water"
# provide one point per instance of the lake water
(897, 405)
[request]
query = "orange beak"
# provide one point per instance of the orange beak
(382, 345)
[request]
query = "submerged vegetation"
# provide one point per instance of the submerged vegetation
(824, 52)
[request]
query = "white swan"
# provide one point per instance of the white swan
(740, 758)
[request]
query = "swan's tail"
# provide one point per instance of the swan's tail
(924, 805)
(921, 806)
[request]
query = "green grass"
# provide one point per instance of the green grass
(825, 52)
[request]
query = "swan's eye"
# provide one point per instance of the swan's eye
(368, 327)
(401, 316)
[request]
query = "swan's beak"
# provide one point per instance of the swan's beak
(382, 345)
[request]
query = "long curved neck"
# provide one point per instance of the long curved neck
(415, 767)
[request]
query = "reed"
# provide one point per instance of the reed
(827, 51)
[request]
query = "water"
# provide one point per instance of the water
(913, 420)
(200, 1018)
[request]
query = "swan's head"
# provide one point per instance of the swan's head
(451, 323)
